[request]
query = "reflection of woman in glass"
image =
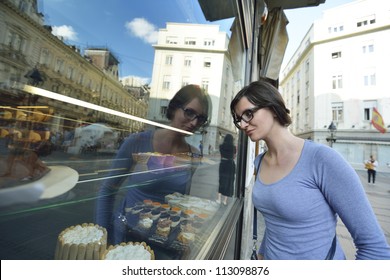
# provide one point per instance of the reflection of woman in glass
(188, 110)
(227, 169)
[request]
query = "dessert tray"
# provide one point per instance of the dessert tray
(58, 181)
(178, 226)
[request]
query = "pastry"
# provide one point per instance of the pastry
(129, 251)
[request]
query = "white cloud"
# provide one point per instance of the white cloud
(65, 31)
(141, 28)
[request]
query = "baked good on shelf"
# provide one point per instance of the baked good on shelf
(175, 221)
(81, 242)
(129, 251)
(186, 237)
(163, 227)
(145, 223)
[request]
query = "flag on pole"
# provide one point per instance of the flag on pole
(377, 121)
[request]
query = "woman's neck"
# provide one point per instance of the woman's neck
(169, 142)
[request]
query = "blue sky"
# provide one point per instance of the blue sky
(129, 27)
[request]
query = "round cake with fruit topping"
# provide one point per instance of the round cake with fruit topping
(129, 251)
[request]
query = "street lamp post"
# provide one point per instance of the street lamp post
(332, 130)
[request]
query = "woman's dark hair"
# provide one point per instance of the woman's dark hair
(261, 93)
(185, 95)
(228, 139)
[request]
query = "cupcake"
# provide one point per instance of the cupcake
(189, 213)
(175, 221)
(156, 204)
(148, 202)
(164, 216)
(136, 210)
(166, 207)
(145, 213)
(176, 209)
(156, 213)
(173, 213)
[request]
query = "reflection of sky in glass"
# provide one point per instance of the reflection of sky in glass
(129, 27)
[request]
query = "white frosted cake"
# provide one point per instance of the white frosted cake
(81, 242)
(129, 251)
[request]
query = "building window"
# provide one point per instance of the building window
(337, 111)
(337, 81)
(205, 85)
(69, 74)
(370, 79)
(187, 61)
(335, 29)
(190, 41)
(163, 110)
(207, 62)
(208, 42)
(16, 41)
(368, 48)
(171, 40)
(336, 55)
(45, 55)
(59, 65)
(185, 81)
(168, 60)
(166, 82)
(366, 21)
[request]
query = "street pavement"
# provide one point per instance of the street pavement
(379, 197)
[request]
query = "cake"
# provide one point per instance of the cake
(186, 237)
(145, 223)
(163, 227)
(81, 242)
(129, 251)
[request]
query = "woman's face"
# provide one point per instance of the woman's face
(260, 125)
(189, 117)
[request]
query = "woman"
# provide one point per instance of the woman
(188, 110)
(302, 186)
(227, 169)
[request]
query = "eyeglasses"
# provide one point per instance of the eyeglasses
(246, 116)
(192, 115)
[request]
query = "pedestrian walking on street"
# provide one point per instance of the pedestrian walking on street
(227, 169)
(371, 165)
(302, 187)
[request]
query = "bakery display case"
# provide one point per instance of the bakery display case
(48, 193)
(117, 140)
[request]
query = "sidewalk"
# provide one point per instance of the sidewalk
(379, 197)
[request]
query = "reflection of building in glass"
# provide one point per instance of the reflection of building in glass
(194, 54)
(339, 74)
(27, 45)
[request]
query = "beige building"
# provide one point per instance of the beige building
(339, 74)
(194, 54)
(30, 53)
